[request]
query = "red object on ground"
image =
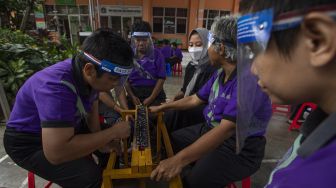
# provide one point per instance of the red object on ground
(31, 181)
(295, 124)
(282, 109)
(177, 69)
(246, 183)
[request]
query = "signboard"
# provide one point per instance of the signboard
(120, 10)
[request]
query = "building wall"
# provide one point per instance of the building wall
(195, 8)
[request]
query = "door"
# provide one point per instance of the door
(74, 28)
(116, 24)
(126, 26)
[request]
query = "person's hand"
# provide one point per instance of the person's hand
(178, 96)
(148, 101)
(136, 100)
(167, 169)
(114, 145)
(155, 109)
(122, 129)
(129, 117)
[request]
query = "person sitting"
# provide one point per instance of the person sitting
(210, 147)
(54, 126)
(166, 50)
(176, 55)
(297, 64)
(197, 73)
(145, 83)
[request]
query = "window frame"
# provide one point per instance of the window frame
(163, 17)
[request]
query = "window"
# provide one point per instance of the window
(210, 15)
(158, 25)
(170, 20)
(69, 19)
(157, 11)
(181, 25)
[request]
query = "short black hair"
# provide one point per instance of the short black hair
(141, 26)
(286, 40)
(106, 44)
(166, 41)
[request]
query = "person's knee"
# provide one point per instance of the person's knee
(92, 178)
(195, 180)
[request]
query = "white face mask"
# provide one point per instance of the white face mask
(195, 52)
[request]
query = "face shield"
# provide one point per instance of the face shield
(253, 35)
(254, 32)
(121, 72)
(142, 45)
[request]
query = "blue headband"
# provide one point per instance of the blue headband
(108, 66)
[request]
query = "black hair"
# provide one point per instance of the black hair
(286, 40)
(174, 44)
(166, 41)
(105, 44)
(193, 32)
(141, 26)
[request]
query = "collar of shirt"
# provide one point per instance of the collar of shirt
(319, 137)
(231, 77)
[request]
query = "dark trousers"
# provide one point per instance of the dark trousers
(178, 119)
(221, 166)
(25, 149)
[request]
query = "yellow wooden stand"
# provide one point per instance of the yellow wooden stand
(141, 162)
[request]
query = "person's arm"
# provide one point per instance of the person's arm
(135, 99)
(183, 104)
(178, 96)
(61, 144)
(122, 99)
(157, 89)
(208, 142)
(108, 101)
(93, 118)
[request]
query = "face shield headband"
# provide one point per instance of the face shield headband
(257, 27)
(107, 66)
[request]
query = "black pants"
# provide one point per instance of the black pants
(143, 92)
(221, 166)
(25, 149)
(178, 119)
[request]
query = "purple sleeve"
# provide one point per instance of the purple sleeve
(160, 65)
(204, 92)
(230, 109)
(56, 103)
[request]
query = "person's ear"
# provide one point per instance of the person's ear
(222, 50)
(319, 33)
(89, 71)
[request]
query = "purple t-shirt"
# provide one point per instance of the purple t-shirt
(310, 162)
(317, 170)
(156, 67)
(221, 98)
(222, 101)
(44, 101)
(178, 53)
(166, 51)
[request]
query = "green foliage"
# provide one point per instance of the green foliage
(22, 55)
